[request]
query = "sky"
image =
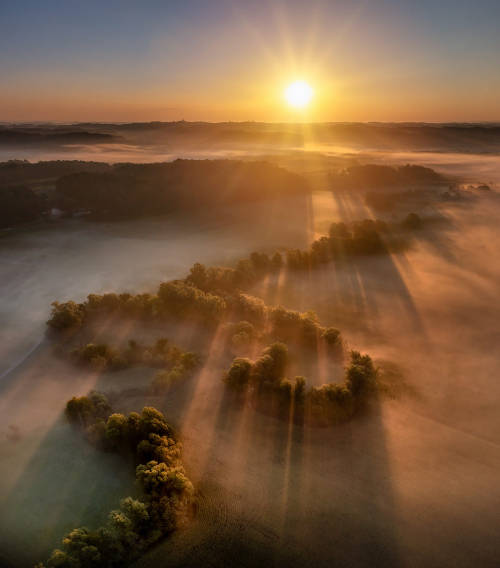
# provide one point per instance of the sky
(223, 60)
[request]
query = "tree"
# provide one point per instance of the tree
(277, 260)
(116, 430)
(158, 479)
(198, 275)
(332, 339)
(189, 360)
(279, 354)
(361, 374)
(339, 230)
(412, 221)
(299, 390)
(137, 512)
(238, 375)
(85, 410)
(152, 420)
(66, 315)
(79, 410)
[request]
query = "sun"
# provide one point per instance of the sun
(298, 94)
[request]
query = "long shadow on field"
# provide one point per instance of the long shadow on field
(382, 286)
(66, 483)
(303, 496)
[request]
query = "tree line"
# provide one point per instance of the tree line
(382, 176)
(138, 190)
(209, 293)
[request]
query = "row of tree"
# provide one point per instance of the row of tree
(181, 300)
(382, 177)
(166, 490)
(366, 237)
(211, 293)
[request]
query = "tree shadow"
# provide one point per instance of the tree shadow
(65, 484)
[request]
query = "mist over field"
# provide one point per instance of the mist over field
(249, 284)
(412, 482)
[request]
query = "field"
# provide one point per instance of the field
(413, 482)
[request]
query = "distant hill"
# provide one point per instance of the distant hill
(15, 136)
(467, 138)
(16, 172)
(473, 138)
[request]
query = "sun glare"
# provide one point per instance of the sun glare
(299, 94)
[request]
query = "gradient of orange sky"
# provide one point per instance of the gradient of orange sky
(127, 61)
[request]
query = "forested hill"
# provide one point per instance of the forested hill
(17, 136)
(135, 190)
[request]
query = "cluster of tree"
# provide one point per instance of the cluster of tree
(66, 315)
(177, 299)
(265, 373)
(240, 334)
(224, 279)
(180, 300)
(34, 136)
(136, 190)
(385, 202)
(303, 329)
(363, 237)
(380, 176)
(133, 190)
(166, 490)
(162, 353)
(339, 402)
(20, 200)
(332, 402)
(182, 369)
(359, 238)
(20, 204)
(18, 172)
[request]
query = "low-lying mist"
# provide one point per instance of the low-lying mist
(412, 483)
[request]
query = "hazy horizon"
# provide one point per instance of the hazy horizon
(274, 122)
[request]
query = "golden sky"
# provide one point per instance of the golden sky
(380, 60)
